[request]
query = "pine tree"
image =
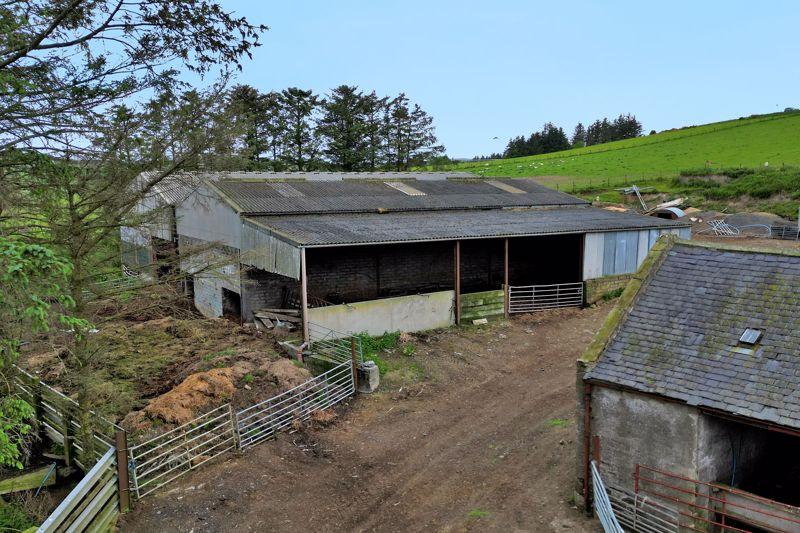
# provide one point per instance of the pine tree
(301, 144)
(374, 109)
(410, 135)
(579, 136)
(343, 129)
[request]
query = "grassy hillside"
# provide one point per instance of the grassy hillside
(747, 142)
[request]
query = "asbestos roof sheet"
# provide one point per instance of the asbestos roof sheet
(374, 228)
(267, 197)
(681, 335)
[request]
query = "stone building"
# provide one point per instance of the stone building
(689, 396)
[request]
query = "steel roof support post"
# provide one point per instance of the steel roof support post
(304, 295)
(505, 279)
(457, 280)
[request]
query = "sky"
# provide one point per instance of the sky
(503, 68)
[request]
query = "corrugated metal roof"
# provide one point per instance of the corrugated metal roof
(337, 176)
(373, 228)
(263, 197)
(171, 189)
(692, 354)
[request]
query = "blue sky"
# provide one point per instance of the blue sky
(502, 68)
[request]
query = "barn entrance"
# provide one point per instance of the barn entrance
(545, 273)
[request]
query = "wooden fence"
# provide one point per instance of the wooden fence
(84, 436)
(113, 470)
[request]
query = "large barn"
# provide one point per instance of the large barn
(381, 252)
(689, 397)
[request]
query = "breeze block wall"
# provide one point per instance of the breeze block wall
(360, 273)
(264, 290)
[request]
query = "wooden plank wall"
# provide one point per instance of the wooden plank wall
(485, 304)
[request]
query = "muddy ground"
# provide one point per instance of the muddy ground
(473, 432)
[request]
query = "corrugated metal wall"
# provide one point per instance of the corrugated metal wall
(203, 216)
(621, 252)
(265, 251)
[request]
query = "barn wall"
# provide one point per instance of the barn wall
(614, 253)
(213, 268)
(264, 290)
(204, 216)
(636, 428)
(359, 273)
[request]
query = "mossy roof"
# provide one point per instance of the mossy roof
(677, 332)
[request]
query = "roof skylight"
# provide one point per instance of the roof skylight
(503, 186)
(404, 188)
(750, 336)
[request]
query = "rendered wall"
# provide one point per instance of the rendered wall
(404, 313)
(213, 270)
(636, 428)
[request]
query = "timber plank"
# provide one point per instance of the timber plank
(29, 480)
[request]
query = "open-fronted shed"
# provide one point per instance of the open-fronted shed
(366, 251)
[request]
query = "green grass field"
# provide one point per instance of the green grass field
(748, 142)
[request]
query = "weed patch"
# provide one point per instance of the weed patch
(558, 422)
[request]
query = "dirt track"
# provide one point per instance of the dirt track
(484, 442)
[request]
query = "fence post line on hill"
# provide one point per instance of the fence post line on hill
(123, 484)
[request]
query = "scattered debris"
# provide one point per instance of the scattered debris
(480, 322)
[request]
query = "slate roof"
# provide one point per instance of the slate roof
(373, 228)
(680, 336)
(371, 194)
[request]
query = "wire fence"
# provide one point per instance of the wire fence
(263, 420)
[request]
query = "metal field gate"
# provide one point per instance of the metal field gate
(163, 459)
(528, 298)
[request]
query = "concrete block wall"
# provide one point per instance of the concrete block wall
(368, 272)
(361, 273)
(262, 289)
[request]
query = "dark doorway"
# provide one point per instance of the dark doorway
(753, 459)
(166, 257)
(545, 260)
(231, 305)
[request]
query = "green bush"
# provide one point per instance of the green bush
(610, 295)
(12, 518)
(371, 345)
